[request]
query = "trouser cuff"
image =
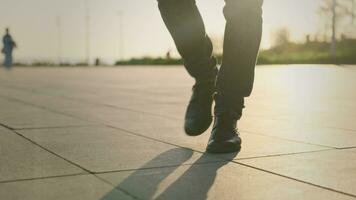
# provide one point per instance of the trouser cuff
(228, 105)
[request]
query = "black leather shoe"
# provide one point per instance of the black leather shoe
(224, 136)
(198, 116)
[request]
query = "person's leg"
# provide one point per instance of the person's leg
(241, 44)
(8, 60)
(235, 79)
(186, 26)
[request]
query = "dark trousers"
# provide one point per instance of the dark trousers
(8, 60)
(241, 43)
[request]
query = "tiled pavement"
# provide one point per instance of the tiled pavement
(116, 133)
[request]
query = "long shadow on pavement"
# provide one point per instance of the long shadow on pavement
(194, 183)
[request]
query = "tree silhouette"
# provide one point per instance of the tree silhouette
(281, 37)
(336, 10)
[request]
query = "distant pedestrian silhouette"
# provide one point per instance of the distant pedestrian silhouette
(232, 82)
(8, 46)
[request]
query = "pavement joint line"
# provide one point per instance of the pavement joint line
(124, 88)
(154, 114)
(55, 127)
(6, 126)
(100, 104)
(161, 141)
(65, 114)
(137, 134)
(54, 111)
(92, 103)
(306, 123)
(291, 140)
(33, 105)
(284, 154)
(140, 111)
(52, 152)
(144, 112)
(216, 155)
(74, 116)
(196, 151)
(68, 175)
(345, 148)
(14, 87)
(345, 129)
(115, 187)
(42, 178)
(129, 90)
(223, 160)
(228, 161)
(295, 179)
(150, 138)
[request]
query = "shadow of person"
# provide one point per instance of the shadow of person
(196, 181)
(193, 182)
(143, 182)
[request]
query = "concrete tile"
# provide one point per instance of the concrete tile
(335, 169)
(173, 111)
(312, 100)
(317, 95)
(21, 159)
(62, 188)
(171, 131)
(43, 100)
(9, 107)
(342, 121)
(40, 119)
(214, 181)
(331, 137)
(258, 145)
(253, 145)
(101, 149)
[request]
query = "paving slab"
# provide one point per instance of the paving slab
(170, 110)
(101, 149)
(214, 181)
(334, 169)
(9, 107)
(171, 131)
(318, 95)
(21, 159)
(43, 119)
(295, 109)
(306, 133)
(37, 98)
(39, 118)
(61, 188)
(111, 88)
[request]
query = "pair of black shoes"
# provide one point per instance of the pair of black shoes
(224, 136)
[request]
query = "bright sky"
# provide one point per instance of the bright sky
(33, 24)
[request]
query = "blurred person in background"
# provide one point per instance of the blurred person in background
(8, 46)
(230, 84)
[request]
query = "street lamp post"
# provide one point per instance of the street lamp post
(59, 45)
(121, 34)
(353, 11)
(333, 39)
(87, 32)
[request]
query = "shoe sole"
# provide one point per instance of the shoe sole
(198, 131)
